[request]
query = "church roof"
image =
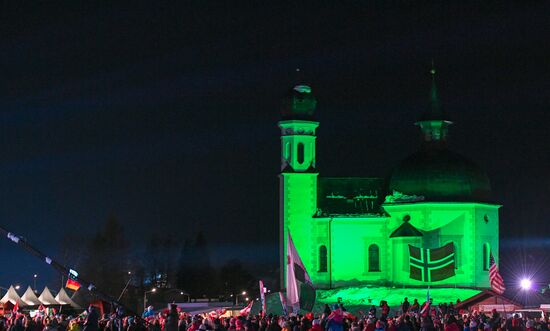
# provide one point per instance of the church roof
(438, 174)
(349, 196)
(406, 230)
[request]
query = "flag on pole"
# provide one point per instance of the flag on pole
(425, 310)
(15, 308)
(495, 279)
(262, 297)
(283, 303)
(246, 310)
(72, 283)
(299, 287)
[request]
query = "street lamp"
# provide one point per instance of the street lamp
(17, 287)
(145, 297)
(237, 297)
(34, 276)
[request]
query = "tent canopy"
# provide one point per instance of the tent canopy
(12, 297)
(30, 298)
(47, 298)
(63, 298)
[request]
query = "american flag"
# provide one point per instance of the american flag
(497, 283)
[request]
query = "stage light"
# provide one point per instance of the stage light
(526, 283)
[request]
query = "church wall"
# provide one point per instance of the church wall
(442, 223)
(320, 237)
(350, 242)
(486, 233)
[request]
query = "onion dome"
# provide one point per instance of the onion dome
(438, 174)
(299, 104)
(434, 172)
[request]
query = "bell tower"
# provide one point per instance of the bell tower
(298, 131)
(298, 178)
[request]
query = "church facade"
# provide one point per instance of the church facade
(430, 223)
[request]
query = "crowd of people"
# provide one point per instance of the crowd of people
(408, 317)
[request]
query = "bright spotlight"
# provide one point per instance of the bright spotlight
(526, 283)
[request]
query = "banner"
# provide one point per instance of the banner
(432, 265)
(262, 297)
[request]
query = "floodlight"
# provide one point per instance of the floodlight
(526, 283)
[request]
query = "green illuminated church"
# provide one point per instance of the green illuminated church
(430, 223)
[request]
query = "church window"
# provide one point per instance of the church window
(300, 153)
(374, 258)
(486, 256)
(323, 258)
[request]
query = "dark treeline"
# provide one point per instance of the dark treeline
(165, 262)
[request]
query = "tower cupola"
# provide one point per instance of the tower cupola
(298, 130)
(299, 103)
(434, 122)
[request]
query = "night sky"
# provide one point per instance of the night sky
(166, 116)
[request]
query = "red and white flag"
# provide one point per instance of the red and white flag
(497, 283)
(297, 279)
(246, 310)
(15, 308)
(262, 297)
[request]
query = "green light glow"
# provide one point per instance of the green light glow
(358, 296)
(357, 243)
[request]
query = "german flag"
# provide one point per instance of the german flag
(72, 283)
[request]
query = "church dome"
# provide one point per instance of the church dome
(434, 172)
(438, 174)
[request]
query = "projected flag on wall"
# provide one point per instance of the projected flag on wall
(432, 265)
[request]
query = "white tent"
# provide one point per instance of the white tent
(12, 297)
(63, 298)
(47, 298)
(30, 298)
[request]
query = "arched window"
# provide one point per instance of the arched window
(300, 150)
(374, 258)
(323, 258)
(486, 256)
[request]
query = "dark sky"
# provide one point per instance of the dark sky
(165, 115)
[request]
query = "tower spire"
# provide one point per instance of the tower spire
(434, 121)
